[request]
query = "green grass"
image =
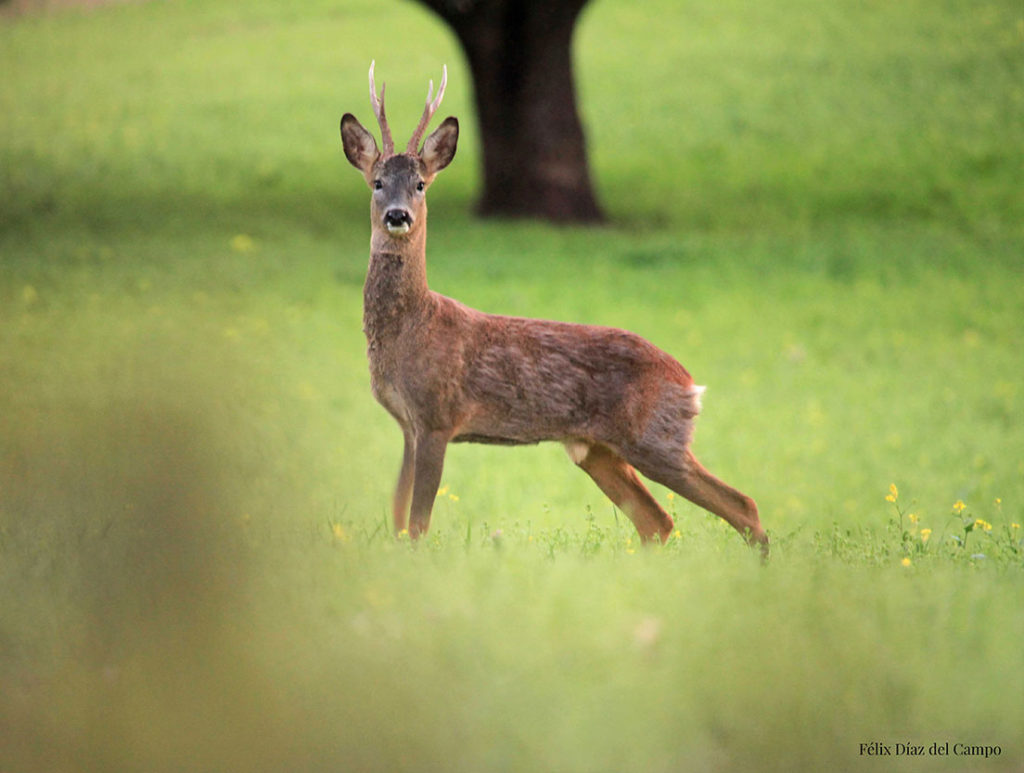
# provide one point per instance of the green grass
(816, 209)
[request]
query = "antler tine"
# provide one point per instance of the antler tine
(378, 110)
(428, 112)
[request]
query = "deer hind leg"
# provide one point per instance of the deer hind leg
(619, 481)
(688, 478)
(428, 462)
(403, 489)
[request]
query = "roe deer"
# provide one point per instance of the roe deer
(449, 373)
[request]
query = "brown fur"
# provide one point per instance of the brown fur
(449, 373)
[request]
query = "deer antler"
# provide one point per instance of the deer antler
(378, 110)
(428, 112)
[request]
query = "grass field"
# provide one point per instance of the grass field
(816, 207)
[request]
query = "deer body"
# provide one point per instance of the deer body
(450, 373)
(508, 380)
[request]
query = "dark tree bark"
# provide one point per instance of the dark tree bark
(534, 151)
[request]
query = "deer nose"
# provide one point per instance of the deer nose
(397, 220)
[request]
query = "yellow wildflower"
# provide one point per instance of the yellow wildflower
(339, 533)
(959, 506)
(443, 490)
(893, 494)
(242, 243)
(980, 524)
(1014, 525)
(912, 517)
(905, 562)
(670, 496)
(925, 534)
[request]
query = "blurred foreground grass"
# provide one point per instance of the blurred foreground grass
(816, 209)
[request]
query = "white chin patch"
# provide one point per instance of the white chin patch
(397, 229)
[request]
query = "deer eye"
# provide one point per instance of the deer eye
(420, 186)
(378, 185)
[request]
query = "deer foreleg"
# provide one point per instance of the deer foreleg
(429, 463)
(403, 489)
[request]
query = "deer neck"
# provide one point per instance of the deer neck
(396, 284)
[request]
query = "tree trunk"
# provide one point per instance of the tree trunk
(534, 152)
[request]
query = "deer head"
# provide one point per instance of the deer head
(399, 181)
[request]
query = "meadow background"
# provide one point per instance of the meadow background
(816, 207)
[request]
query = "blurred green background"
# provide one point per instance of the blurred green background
(816, 208)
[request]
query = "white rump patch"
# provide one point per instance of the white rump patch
(694, 393)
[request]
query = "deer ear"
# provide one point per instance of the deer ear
(360, 146)
(439, 147)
